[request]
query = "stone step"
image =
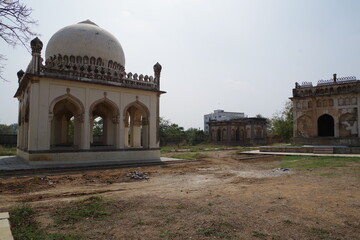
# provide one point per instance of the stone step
(323, 150)
(5, 232)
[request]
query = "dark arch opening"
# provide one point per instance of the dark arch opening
(218, 137)
(326, 126)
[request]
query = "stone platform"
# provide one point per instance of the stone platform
(316, 149)
(13, 165)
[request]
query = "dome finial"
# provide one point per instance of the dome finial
(36, 45)
(87, 21)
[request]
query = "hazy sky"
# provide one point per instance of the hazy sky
(236, 55)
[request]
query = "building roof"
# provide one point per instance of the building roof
(85, 39)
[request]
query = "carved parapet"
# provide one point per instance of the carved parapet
(91, 68)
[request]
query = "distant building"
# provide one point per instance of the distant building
(220, 115)
(328, 113)
(243, 131)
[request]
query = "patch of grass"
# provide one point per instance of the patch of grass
(93, 207)
(288, 222)
(320, 232)
(217, 230)
(306, 162)
(140, 223)
(188, 156)
(60, 236)
(329, 174)
(170, 219)
(259, 234)
(164, 233)
(180, 206)
(7, 151)
(161, 207)
(200, 148)
(24, 227)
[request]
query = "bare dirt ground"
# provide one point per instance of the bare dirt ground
(217, 197)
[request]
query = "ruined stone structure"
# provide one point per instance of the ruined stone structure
(242, 131)
(327, 114)
(83, 78)
(220, 115)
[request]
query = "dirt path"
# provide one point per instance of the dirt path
(216, 197)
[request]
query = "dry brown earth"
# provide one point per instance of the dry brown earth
(218, 197)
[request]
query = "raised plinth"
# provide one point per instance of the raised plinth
(56, 157)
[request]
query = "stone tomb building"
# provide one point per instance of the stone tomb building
(82, 79)
(327, 114)
(241, 131)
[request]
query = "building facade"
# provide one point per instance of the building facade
(328, 113)
(82, 79)
(220, 115)
(243, 131)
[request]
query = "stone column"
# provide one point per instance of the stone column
(145, 133)
(33, 115)
(64, 130)
(358, 114)
(136, 134)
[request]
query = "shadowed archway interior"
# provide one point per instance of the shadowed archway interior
(326, 126)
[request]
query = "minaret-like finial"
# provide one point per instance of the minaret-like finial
(36, 46)
(20, 74)
(157, 71)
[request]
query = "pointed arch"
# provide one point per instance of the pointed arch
(325, 126)
(139, 105)
(67, 117)
(108, 102)
(72, 98)
(104, 119)
(136, 123)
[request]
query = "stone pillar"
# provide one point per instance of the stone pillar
(145, 133)
(91, 131)
(295, 120)
(136, 134)
(33, 115)
(18, 137)
(358, 115)
(64, 130)
(85, 130)
(336, 126)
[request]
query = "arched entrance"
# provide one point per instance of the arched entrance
(325, 126)
(104, 121)
(136, 126)
(237, 135)
(66, 124)
(218, 135)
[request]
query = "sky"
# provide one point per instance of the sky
(236, 55)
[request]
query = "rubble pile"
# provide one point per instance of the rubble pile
(138, 175)
(281, 170)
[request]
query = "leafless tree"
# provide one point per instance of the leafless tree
(15, 23)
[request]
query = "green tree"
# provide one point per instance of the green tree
(98, 127)
(195, 136)
(281, 124)
(8, 129)
(170, 133)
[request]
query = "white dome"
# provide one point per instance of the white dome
(85, 39)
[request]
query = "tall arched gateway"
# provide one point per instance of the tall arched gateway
(325, 126)
(82, 90)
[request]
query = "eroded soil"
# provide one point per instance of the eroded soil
(218, 197)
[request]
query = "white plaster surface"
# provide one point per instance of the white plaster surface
(5, 232)
(85, 39)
